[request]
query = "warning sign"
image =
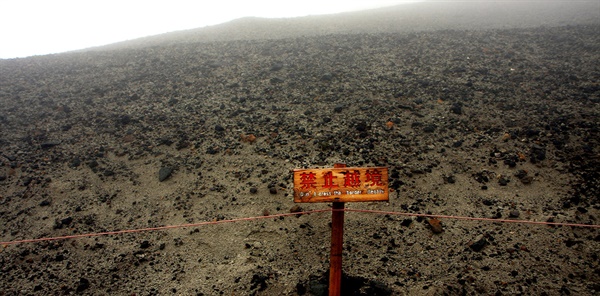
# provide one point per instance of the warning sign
(341, 184)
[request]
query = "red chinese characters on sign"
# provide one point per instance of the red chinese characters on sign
(341, 184)
(308, 180)
(328, 178)
(374, 176)
(352, 179)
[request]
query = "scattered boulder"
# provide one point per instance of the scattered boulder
(164, 173)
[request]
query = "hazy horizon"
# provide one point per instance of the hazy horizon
(46, 27)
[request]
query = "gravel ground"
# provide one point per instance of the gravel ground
(495, 123)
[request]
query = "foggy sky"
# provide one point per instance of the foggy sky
(35, 27)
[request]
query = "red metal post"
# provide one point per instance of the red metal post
(337, 242)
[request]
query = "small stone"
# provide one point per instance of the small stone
(145, 244)
(92, 164)
(276, 66)
(219, 128)
(66, 221)
(253, 190)
(164, 173)
(276, 80)
(406, 222)
(430, 128)
(273, 190)
(521, 174)
(514, 214)
(75, 162)
(527, 180)
(436, 225)
(478, 243)
(47, 145)
(456, 108)
(296, 209)
(327, 77)
(451, 179)
(83, 284)
(338, 108)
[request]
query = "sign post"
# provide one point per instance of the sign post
(339, 185)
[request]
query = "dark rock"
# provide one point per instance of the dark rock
(538, 153)
(327, 77)
(212, 150)
(164, 173)
(406, 222)
(527, 180)
(145, 244)
(273, 190)
(75, 162)
(66, 221)
(457, 143)
(514, 214)
(27, 181)
(338, 108)
(93, 164)
(44, 203)
(83, 285)
(488, 202)
(276, 66)
(478, 243)
(456, 108)
(253, 190)
(361, 126)
(503, 181)
(10, 157)
(219, 128)
(125, 119)
(430, 128)
(569, 242)
(2, 177)
(276, 80)
(259, 281)
(47, 145)
(521, 174)
(510, 163)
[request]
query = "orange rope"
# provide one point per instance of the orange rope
(35, 240)
(290, 214)
(475, 219)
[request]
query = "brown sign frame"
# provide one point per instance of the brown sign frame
(348, 184)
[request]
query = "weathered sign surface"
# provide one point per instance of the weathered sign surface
(341, 184)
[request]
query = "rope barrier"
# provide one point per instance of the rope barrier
(474, 219)
(6, 243)
(156, 228)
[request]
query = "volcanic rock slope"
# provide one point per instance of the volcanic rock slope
(498, 123)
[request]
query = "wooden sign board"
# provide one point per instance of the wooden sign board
(341, 184)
